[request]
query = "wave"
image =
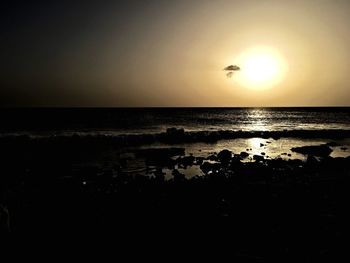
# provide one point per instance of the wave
(175, 135)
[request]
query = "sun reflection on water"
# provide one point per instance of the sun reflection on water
(258, 120)
(257, 146)
(255, 142)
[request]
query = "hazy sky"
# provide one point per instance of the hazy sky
(171, 53)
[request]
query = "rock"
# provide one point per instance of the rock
(4, 220)
(178, 176)
(160, 156)
(186, 161)
(312, 160)
(225, 156)
(207, 167)
(159, 174)
(199, 160)
(319, 151)
(296, 163)
(244, 155)
(289, 155)
(212, 157)
(160, 152)
(333, 144)
(263, 154)
(258, 158)
(262, 145)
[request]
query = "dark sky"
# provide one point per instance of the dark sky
(50, 48)
(170, 53)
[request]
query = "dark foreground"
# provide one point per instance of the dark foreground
(277, 208)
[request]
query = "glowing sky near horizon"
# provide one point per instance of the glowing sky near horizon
(171, 53)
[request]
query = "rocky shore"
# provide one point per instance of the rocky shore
(286, 199)
(172, 136)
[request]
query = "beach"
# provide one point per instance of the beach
(283, 184)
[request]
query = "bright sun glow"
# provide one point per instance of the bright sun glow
(261, 67)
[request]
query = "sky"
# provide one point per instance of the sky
(140, 53)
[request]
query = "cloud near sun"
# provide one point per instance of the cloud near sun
(231, 70)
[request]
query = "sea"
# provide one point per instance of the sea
(114, 123)
(118, 121)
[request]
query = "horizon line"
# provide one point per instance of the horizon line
(162, 107)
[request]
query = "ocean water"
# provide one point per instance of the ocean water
(44, 123)
(116, 121)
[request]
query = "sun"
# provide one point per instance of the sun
(261, 67)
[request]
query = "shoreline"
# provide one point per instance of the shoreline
(42, 191)
(174, 135)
